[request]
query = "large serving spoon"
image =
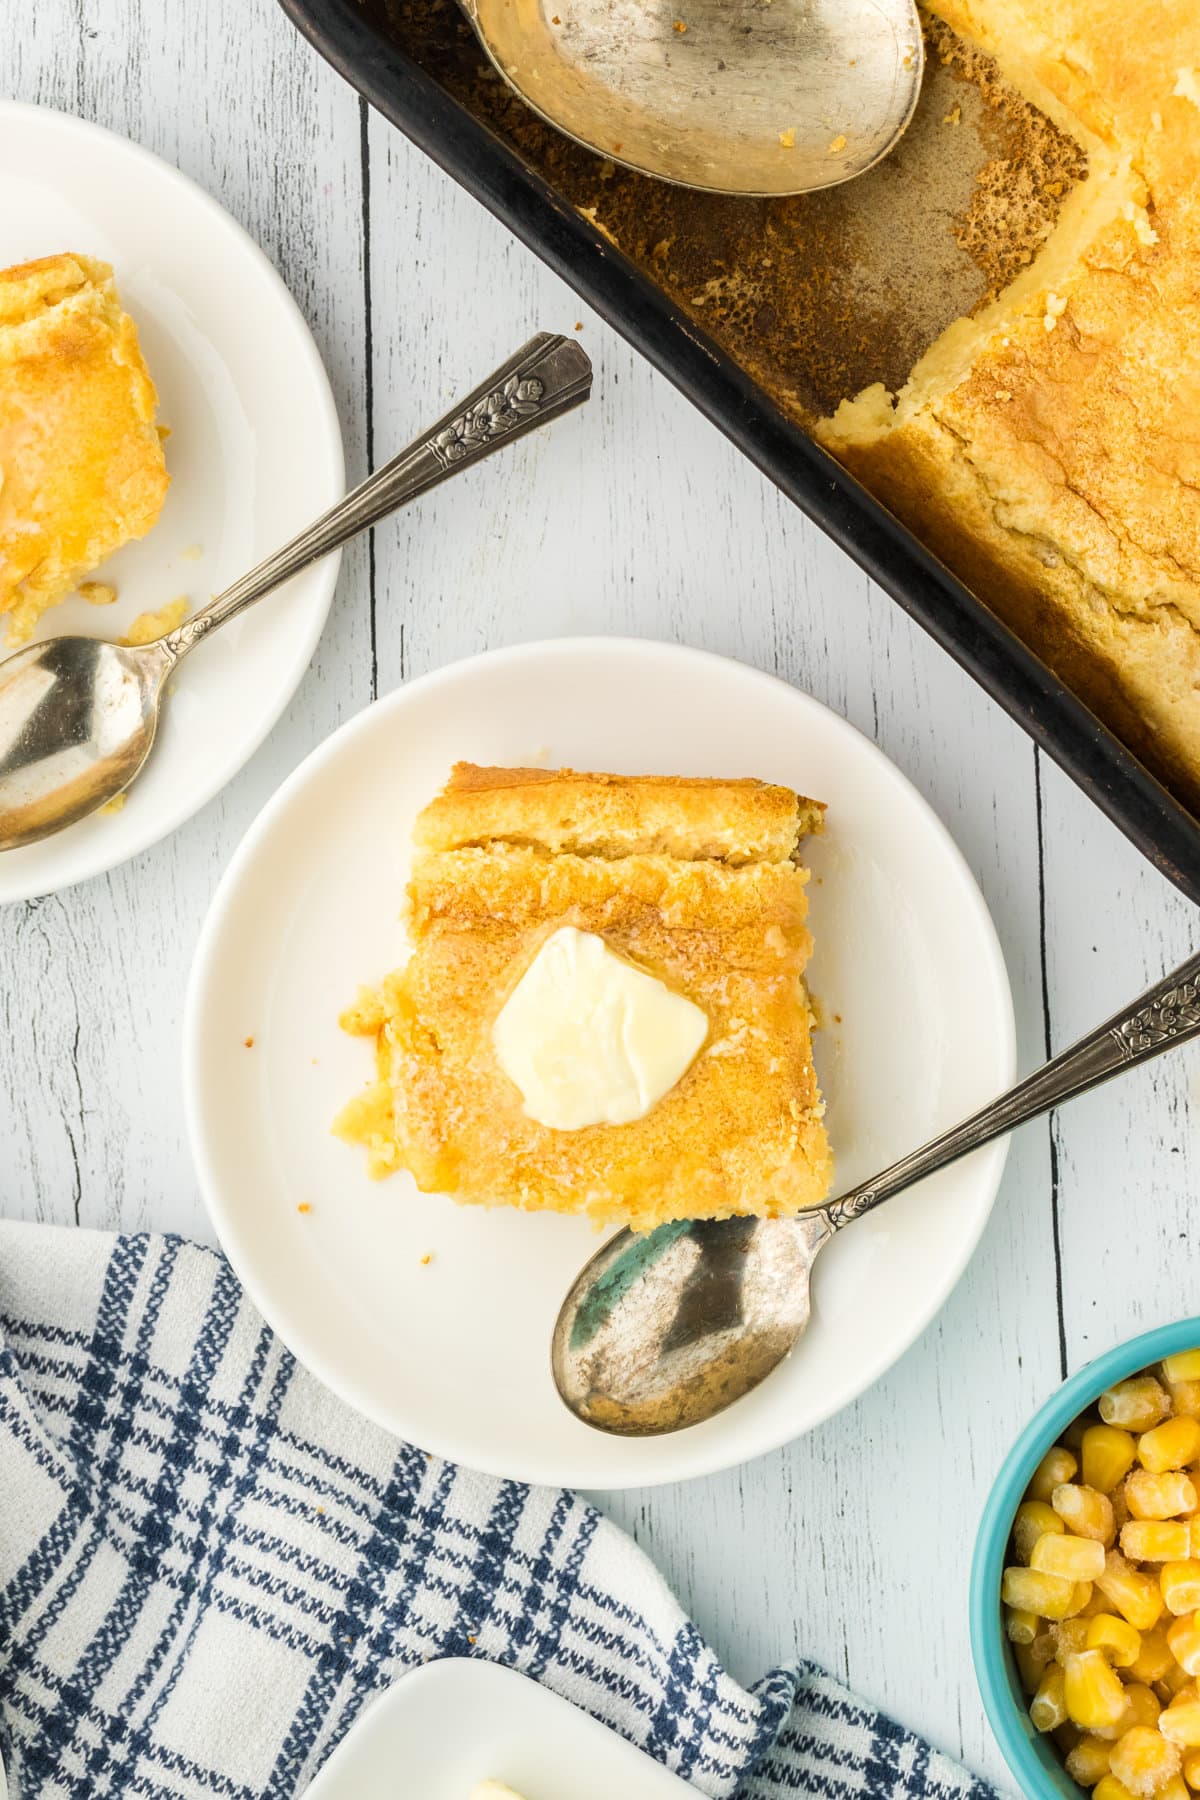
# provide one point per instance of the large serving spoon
(78, 716)
(735, 96)
(662, 1331)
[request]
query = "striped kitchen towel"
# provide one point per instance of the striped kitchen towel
(208, 1566)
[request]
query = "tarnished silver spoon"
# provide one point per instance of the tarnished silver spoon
(78, 716)
(736, 96)
(662, 1331)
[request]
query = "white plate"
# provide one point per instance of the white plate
(254, 454)
(443, 1729)
(453, 1354)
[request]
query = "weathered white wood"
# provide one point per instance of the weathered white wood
(636, 516)
(1127, 1158)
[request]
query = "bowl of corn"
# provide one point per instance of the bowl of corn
(1085, 1587)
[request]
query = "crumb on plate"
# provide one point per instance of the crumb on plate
(149, 626)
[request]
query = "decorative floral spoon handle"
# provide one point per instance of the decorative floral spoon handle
(1168, 1014)
(548, 377)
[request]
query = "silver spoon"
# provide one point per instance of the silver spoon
(662, 1331)
(78, 716)
(735, 96)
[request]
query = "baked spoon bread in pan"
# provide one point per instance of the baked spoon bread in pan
(769, 313)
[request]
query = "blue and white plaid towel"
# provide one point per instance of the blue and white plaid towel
(208, 1565)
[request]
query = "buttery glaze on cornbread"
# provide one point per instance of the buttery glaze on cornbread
(697, 884)
(1049, 448)
(81, 463)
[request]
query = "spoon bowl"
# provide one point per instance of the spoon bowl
(665, 1330)
(77, 721)
(662, 1330)
(761, 97)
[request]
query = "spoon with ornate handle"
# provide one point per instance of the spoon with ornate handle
(78, 716)
(662, 1331)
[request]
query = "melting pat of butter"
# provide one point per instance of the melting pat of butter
(494, 1790)
(591, 1040)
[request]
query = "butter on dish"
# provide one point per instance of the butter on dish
(81, 462)
(604, 1011)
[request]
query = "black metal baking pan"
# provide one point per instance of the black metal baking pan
(407, 57)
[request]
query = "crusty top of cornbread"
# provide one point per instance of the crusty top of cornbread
(561, 811)
(1049, 449)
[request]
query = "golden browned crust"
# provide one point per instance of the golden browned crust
(81, 463)
(618, 815)
(1057, 468)
(741, 1131)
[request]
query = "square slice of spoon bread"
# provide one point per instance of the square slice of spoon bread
(81, 461)
(695, 885)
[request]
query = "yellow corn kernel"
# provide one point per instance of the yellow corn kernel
(1191, 1769)
(1174, 1789)
(1185, 1398)
(1029, 1668)
(1070, 1637)
(1153, 1659)
(1042, 1647)
(1143, 1759)
(1020, 1627)
(1171, 1445)
(1181, 1722)
(1072, 1434)
(1143, 1705)
(1109, 1788)
(1048, 1708)
(1136, 1404)
(1184, 1639)
(1088, 1761)
(1180, 1584)
(1093, 1695)
(1074, 1558)
(1058, 1465)
(1176, 1681)
(1118, 1639)
(1183, 1366)
(1136, 1596)
(1120, 1506)
(1107, 1455)
(1034, 1519)
(1164, 1496)
(1157, 1540)
(1084, 1511)
(1046, 1595)
(1080, 1600)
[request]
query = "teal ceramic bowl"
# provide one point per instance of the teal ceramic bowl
(1032, 1758)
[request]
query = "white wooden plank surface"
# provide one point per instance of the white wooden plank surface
(853, 1545)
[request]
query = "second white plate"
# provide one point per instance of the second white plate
(437, 1733)
(435, 1319)
(254, 454)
